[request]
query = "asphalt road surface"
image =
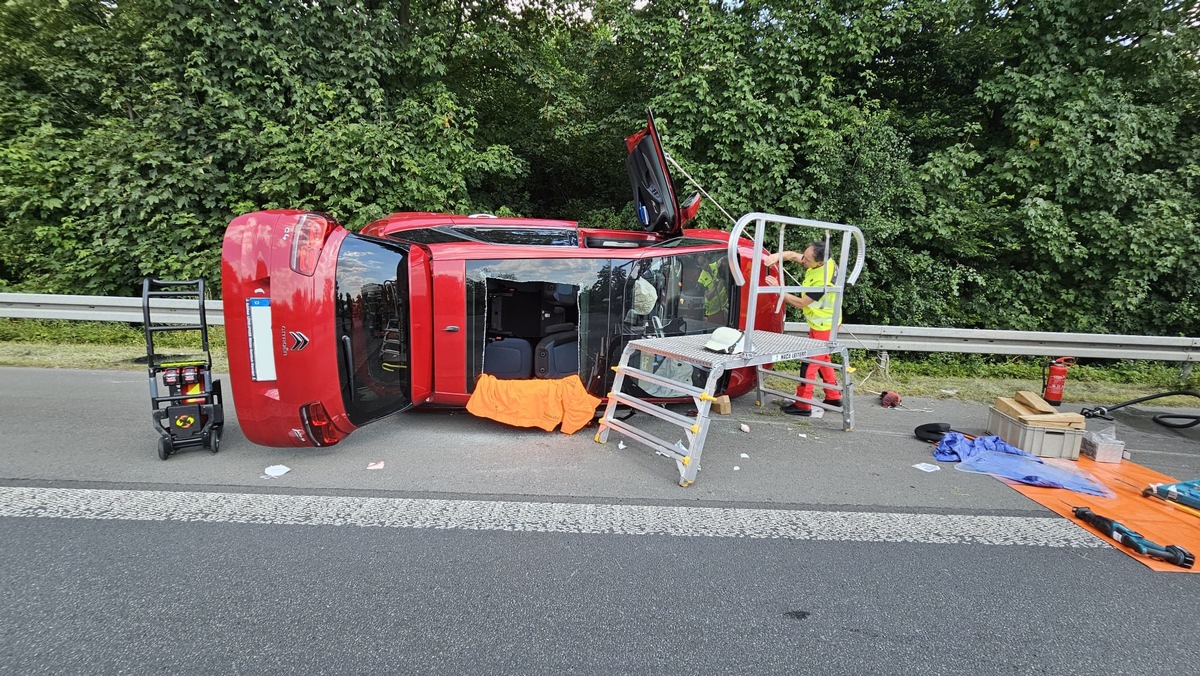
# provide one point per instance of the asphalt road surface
(481, 548)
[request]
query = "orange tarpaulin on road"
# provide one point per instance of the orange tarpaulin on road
(540, 403)
(1154, 519)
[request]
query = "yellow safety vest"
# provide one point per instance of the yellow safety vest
(819, 313)
(716, 298)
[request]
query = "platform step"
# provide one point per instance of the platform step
(661, 447)
(659, 412)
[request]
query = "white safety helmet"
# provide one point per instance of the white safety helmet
(726, 341)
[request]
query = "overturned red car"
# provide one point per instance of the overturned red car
(328, 330)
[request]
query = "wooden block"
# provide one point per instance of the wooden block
(1033, 401)
(722, 405)
(1011, 408)
(1056, 417)
(1062, 421)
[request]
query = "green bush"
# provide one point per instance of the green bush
(63, 332)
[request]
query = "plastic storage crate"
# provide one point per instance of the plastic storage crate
(1045, 442)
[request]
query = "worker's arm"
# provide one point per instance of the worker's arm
(798, 302)
(788, 257)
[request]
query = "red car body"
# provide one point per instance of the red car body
(328, 330)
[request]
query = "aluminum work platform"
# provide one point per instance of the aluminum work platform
(761, 349)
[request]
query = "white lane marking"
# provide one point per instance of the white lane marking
(552, 517)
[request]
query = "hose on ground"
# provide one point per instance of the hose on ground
(1178, 421)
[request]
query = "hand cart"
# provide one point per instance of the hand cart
(190, 413)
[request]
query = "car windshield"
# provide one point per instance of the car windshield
(605, 302)
(372, 328)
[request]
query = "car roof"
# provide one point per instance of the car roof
(415, 220)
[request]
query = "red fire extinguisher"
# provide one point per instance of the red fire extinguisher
(1054, 379)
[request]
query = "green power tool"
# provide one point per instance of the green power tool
(1172, 554)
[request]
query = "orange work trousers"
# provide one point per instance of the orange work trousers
(812, 371)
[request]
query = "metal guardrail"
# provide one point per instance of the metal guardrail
(1043, 343)
(105, 308)
(855, 336)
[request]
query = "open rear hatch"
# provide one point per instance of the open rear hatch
(326, 330)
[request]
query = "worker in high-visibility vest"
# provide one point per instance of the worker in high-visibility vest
(716, 292)
(818, 308)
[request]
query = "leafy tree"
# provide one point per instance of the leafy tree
(1013, 164)
(1065, 185)
(144, 126)
(771, 106)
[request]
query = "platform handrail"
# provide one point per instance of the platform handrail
(736, 235)
(835, 286)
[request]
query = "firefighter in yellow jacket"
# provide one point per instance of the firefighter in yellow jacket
(818, 308)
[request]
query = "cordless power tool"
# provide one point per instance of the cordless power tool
(1172, 554)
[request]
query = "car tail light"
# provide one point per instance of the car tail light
(190, 376)
(170, 376)
(311, 231)
(318, 424)
(689, 208)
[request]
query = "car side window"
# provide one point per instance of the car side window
(608, 302)
(524, 302)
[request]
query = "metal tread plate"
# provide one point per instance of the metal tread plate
(768, 348)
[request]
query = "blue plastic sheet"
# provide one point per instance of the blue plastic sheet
(1031, 470)
(955, 447)
(991, 455)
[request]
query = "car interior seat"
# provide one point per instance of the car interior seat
(508, 358)
(560, 294)
(559, 305)
(557, 355)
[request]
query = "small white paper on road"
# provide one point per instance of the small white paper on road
(621, 444)
(803, 436)
(745, 428)
(736, 468)
(276, 471)
(378, 464)
(926, 467)
(745, 455)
